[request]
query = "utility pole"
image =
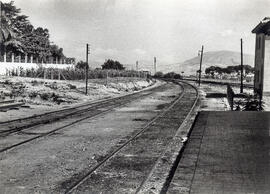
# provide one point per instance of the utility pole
(86, 69)
(1, 28)
(241, 87)
(137, 69)
(200, 71)
(155, 65)
(1, 14)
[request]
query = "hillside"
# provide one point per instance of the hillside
(190, 66)
(217, 58)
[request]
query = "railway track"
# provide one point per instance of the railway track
(132, 160)
(12, 126)
(77, 114)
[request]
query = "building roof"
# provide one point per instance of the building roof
(263, 26)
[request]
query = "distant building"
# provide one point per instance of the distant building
(262, 57)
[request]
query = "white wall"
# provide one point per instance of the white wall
(4, 66)
(266, 77)
(259, 61)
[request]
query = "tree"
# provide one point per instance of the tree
(18, 35)
(7, 33)
(56, 52)
(81, 65)
(158, 74)
(172, 75)
(110, 64)
(13, 28)
(228, 70)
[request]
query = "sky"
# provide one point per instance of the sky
(131, 30)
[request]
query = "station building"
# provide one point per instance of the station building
(262, 58)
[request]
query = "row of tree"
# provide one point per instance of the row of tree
(19, 36)
(108, 64)
(228, 70)
(170, 75)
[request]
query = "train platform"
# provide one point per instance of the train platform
(227, 152)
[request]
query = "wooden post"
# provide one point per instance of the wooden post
(241, 87)
(106, 77)
(200, 71)
(155, 65)
(86, 69)
(51, 73)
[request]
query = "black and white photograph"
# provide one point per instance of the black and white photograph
(134, 96)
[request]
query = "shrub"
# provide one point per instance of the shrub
(75, 73)
(172, 75)
(252, 105)
(158, 74)
(44, 96)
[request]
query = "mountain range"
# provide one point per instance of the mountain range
(213, 58)
(190, 66)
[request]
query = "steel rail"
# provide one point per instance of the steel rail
(108, 157)
(51, 117)
(160, 188)
(77, 106)
(121, 103)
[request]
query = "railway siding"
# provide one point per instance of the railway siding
(162, 173)
(125, 171)
(42, 165)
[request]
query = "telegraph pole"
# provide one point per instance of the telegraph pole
(1, 14)
(155, 65)
(86, 69)
(1, 27)
(241, 87)
(200, 71)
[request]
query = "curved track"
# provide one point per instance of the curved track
(122, 167)
(138, 154)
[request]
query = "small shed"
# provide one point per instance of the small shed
(262, 58)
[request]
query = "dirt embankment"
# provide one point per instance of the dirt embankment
(35, 91)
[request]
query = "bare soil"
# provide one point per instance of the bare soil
(48, 165)
(43, 95)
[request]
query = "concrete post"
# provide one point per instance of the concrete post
(5, 57)
(45, 73)
(20, 58)
(31, 59)
(12, 57)
(51, 74)
(25, 58)
(59, 74)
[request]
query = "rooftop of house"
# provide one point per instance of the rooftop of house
(263, 27)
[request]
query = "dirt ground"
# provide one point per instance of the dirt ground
(216, 104)
(44, 95)
(44, 165)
